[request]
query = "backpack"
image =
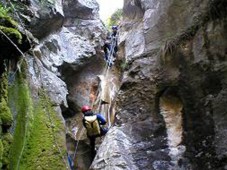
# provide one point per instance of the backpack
(92, 125)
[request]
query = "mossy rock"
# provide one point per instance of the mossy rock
(1, 153)
(20, 100)
(7, 140)
(5, 113)
(43, 139)
(7, 21)
(35, 135)
(12, 33)
(4, 86)
(0, 127)
(9, 26)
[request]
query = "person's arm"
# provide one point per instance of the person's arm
(101, 119)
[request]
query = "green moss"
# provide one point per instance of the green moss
(9, 26)
(37, 130)
(12, 33)
(5, 113)
(7, 21)
(7, 140)
(41, 146)
(20, 100)
(4, 86)
(1, 153)
(0, 128)
(123, 65)
(3, 10)
(5, 119)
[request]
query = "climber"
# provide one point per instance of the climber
(92, 122)
(107, 50)
(114, 31)
(107, 47)
(114, 39)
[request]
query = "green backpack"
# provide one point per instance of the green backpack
(92, 125)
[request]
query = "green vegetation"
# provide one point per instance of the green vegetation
(115, 18)
(33, 141)
(41, 146)
(3, 10)
(6, 120)
(7, 140)
(5, 114)
(37, 130)
(12, 33)
(1, 152)
(123, 65)
(20, 100)
(4, 86)
(8, 25)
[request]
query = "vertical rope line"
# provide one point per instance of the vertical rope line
(105, 72)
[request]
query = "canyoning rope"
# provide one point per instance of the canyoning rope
(105, 73)
(106, 70)
(82, 131)
(8, 38)
(12, 77)
(112, 51)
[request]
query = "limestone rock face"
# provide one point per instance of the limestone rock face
(170, 107)
(83, 9)
(66, 63)
(41, 17)
(63, 62)
(66, 51)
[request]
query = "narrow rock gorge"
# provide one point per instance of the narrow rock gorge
(166, 92)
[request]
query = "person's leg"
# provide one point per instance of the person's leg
(104, 131)
(106, 56)
(92, 143)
